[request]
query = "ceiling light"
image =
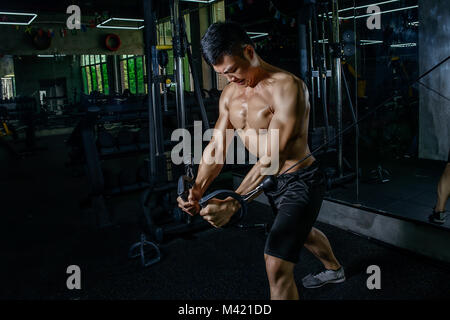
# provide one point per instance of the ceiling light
(102, 25)
(50, 55)
(367, 5)
(381, 12)
(254, 35)
(404, 45)
(368, 42)
(199, 1)
(34, 15)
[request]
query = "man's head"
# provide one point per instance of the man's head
(230, 51)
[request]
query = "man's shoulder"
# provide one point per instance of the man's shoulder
(286, 80)
(227, 93)
(228, 90)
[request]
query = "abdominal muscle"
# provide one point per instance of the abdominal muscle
(297, 149)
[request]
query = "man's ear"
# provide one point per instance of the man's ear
(249, 52)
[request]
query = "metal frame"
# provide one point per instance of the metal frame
(337, 79)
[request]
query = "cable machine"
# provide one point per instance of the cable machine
(161, 221)
(325, 69)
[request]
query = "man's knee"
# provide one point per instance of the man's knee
(446, 172)
(279, 271)
(311, 239)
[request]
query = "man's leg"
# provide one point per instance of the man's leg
(443, 190)
(280, 274)
(317, 243)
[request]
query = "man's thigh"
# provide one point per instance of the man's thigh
(293, 224)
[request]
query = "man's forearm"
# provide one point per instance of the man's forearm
(205, 176)
(254, 178)
(208, 169)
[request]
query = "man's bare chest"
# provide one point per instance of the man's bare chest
(253, 112)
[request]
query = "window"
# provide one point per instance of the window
(132, 70)
(218, 11)
(8, 86)
(94, 73)
(218, 14)
(164, 33)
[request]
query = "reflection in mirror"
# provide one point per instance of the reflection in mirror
(400, 145)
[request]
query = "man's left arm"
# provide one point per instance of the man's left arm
(289, 109)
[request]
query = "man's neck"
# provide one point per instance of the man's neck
(262, 71)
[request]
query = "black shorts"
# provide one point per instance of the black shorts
(296, 202)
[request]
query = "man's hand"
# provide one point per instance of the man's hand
(219, 212)
(190, 206)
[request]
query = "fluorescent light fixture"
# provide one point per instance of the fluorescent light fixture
(404, 45)
(34, 15)
(367, 5)
(254, 35)
(368, 42)
(8, 76)
(102, 25)
(50, 55)
(363, 42)
(381, 12)
(199, 1)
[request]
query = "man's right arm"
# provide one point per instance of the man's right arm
(213, 157)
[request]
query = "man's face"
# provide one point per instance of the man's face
(236, 69)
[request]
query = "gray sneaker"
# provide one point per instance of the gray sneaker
(438, 217)
(324, 277)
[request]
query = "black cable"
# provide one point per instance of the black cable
(363, 118)
(433, 90)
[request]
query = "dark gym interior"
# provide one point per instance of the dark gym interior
(88, 110)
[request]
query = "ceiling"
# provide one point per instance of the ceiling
(254, 15)
(133, 8)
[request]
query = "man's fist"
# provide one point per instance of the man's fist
(190, 206)
(219, 212)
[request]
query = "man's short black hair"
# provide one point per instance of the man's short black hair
(224, 38)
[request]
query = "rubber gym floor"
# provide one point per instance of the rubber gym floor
(44, 231)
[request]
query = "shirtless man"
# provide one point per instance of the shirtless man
(261, 96)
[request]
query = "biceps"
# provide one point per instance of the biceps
(281, 131)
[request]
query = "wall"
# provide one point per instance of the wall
(6, 65)
(17, 41)
(434, 111)
(30, 69)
